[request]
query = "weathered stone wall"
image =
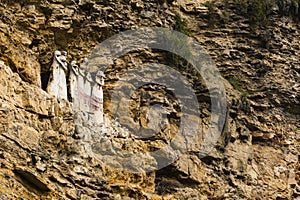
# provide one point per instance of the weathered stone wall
(43, 153)
(42, 156)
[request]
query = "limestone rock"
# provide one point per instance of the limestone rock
(48, 151)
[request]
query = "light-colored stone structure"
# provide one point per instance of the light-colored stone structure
(73, 81)
(80, 86)
(57, 85)
(97, 99)
(87, 92)
(63, 60)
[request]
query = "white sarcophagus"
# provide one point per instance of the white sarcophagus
(73, 82)
(57, 85)
(80, 87)
(87, 92)
(97, 99)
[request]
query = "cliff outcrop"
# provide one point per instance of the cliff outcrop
(45, 148)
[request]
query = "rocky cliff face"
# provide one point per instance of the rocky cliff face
(43, 152)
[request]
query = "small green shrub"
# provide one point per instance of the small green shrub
(236, 85)
(288, 7)
(225, 17)
(257, 11)
(212, 12)
(177, 43)
(242, 6)
(181, 25)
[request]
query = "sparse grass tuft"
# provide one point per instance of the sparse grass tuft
(181, 25)
(236, 85)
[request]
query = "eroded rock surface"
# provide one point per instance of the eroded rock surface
(45, 154)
